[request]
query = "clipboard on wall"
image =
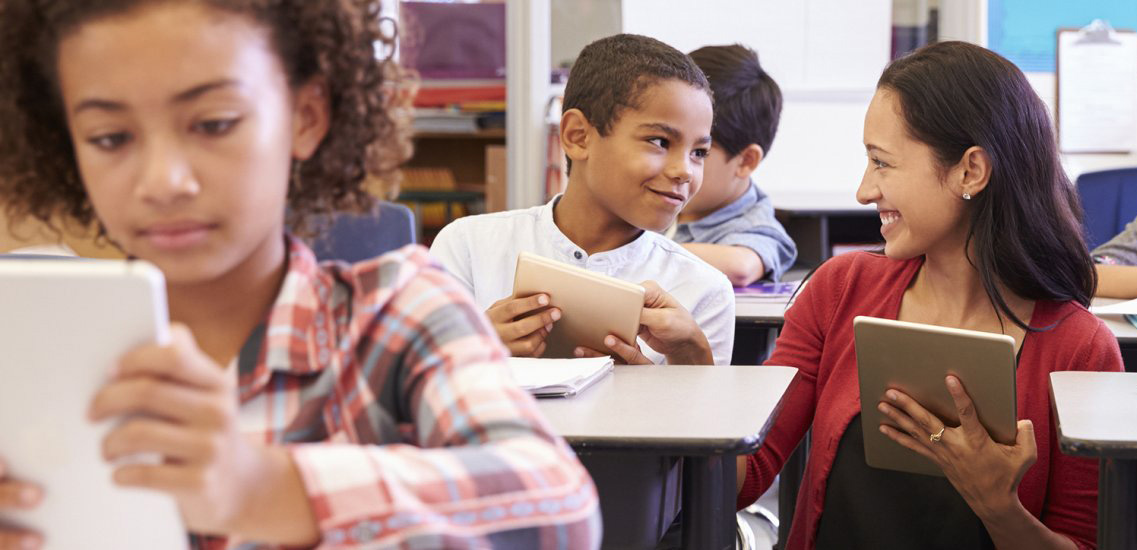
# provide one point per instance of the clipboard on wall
(1096, 75)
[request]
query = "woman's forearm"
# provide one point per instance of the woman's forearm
(1013, 527)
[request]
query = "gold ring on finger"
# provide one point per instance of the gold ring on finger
(937, 436)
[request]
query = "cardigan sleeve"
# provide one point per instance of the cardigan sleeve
(1072, 490)
(800, 346)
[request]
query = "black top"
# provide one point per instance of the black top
(883, 509)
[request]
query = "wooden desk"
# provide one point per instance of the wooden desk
(708, 415)
(1096, 414)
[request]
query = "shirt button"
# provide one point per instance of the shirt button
(578, 255)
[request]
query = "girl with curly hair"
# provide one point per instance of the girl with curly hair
(298, 404)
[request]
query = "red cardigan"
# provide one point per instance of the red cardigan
(818, 340)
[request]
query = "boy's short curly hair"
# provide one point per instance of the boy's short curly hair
(748, 103)
(611, 74)
(368, 137)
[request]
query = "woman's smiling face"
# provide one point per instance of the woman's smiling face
(919, 213)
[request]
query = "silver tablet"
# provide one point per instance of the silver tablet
(592, 305)
(915, 358)
(64, 324)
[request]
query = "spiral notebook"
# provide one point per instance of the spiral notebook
(558, 377)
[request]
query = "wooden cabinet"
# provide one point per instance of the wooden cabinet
(452, 175)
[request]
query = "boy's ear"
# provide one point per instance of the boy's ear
(311, 117)
(749, 158)
(575, 134)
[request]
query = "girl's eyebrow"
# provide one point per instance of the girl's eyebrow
(199, 90)
(180, 97)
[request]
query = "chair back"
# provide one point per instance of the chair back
(1109, 199)
(357, 237)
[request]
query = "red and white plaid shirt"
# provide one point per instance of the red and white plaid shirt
(390, 389)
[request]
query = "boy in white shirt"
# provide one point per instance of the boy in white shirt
(635, 127)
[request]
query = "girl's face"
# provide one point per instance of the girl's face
(185, 127)
(920, 211)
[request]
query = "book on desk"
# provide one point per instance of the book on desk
(558, 377)
(766, 292)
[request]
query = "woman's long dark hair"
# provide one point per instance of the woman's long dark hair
(1026, 226)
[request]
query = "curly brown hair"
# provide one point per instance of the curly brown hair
(369, 133)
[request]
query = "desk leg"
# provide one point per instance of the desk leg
(708, 503)
(1117, 504)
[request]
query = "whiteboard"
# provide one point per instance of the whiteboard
(806, 45)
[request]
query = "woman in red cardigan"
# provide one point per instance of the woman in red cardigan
(982, 232)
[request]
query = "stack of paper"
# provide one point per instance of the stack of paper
(558, 377)
(1127, 309)
(766, 292)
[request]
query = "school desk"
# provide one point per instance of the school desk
(1096, 414)
(772, 315)
(706, 414)
(819, 219)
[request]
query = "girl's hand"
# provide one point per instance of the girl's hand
(13, 495)
(177, 403)
(986, 473)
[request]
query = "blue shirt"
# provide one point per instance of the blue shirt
(748, 221)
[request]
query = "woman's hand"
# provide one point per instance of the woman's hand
(986, 473)
(16, 495)
(178, 403)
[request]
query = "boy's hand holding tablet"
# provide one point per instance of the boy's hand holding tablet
(521, 330)
(604, 316)
(667, 327)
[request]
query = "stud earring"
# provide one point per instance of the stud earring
(967, 196)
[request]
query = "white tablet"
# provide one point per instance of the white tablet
(64, 323)
(916, 358)
(592, 305)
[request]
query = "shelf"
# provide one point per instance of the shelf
(494, 133)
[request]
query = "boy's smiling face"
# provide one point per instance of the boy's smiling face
(651, 162)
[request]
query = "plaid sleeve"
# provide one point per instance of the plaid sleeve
(477, 467)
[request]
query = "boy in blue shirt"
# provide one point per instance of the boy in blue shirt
(730, 223)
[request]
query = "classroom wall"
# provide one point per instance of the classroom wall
(825, 54)
(1045, 85)
(1016, 18)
